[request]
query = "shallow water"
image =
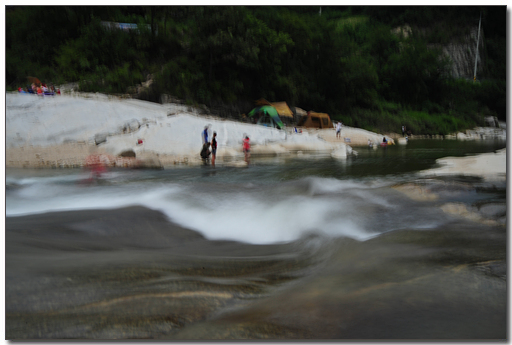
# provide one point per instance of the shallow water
(287, 248)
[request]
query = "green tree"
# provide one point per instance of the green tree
(414, 73)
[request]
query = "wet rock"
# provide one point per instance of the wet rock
(469, 213)
(493, 210)
(270, 149)
(127, 154)
(131, 126)
(416, 192)
(481, 133)
(339, 153)
(149, 163)
(491, 121)
(493, 268)
(461, 136)
(450, 188)
(100, 138)
(11, 186)
(129, 274)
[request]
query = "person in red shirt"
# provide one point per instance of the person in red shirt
(246, 148)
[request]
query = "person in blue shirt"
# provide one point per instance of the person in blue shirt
(205, 135)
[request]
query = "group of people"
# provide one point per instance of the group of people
(205, 151)
(406, 133)
(40, 90)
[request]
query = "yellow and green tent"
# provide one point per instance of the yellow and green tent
(267, 110)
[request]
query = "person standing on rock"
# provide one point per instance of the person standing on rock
(338, 130)
(214, 147)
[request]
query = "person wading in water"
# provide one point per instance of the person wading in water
(214, 147)
(246, 148)
(205, 153)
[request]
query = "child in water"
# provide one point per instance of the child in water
(246, 148)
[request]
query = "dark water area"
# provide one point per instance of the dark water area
(287, 249)
(393, 160)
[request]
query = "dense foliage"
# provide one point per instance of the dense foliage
(346, 61)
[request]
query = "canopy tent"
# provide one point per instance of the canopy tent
(316, 120)
(268, 116)
(262, 101)
(282, 109)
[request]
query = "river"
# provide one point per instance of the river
(295, 247)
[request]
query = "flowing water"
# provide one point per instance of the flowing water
(295, 247)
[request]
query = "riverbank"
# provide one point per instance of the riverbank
(65, 131)
(75, 155)
(355, 137)
(60, 131)
(478, 133)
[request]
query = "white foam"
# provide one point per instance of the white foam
(248, 219)
(229, 210)
(250, 215)
(321, 185)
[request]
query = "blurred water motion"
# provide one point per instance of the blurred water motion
(129, 274)
(275, 251)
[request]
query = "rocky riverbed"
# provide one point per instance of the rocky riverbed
(149, 279)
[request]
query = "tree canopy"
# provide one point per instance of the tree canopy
(348, 61)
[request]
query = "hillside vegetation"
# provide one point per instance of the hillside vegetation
(350, 62)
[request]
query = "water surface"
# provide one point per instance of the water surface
(294, 247)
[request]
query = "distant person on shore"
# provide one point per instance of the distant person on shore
(205, 153)
(214, 147)
(338, 130)
(246, 148)
(403, 131)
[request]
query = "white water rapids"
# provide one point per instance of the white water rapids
(229, 207)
